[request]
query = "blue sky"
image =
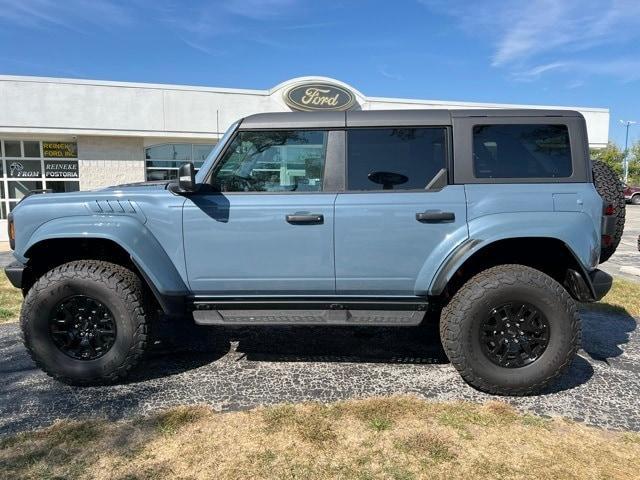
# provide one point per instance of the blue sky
(563, 52)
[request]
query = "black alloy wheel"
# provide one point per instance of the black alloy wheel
(511, 330)
(82, 327)
(514, 335)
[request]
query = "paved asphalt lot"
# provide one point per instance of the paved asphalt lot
(243, 368)
(626, 261)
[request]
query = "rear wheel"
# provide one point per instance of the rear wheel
(636, 199)
(511, 330)
(611, 190)
(84, 322)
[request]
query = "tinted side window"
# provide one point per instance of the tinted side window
(273, 161)
(521, 151)
(394, 158)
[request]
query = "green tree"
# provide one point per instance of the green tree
(634, 164)
(611, 155)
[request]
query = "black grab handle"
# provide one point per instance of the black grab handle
(435, 216)
(305, 218)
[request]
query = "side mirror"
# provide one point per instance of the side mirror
(187, 177)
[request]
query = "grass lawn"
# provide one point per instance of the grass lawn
(10, 300)
(624, 296)
(390, 438)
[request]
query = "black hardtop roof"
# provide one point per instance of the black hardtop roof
(382, 118)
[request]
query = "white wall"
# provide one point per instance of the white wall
(38, 105)
(104, 161)
(597, 119)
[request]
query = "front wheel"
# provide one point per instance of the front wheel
(511, 330)
(84, 322)
(635, 200)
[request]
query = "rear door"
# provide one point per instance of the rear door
(398, 214)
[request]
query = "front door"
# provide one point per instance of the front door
(264, 227)
(398, 213)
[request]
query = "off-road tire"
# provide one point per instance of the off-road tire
(117, 288)
(461, 322)
(611, 190)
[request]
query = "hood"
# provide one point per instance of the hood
(155, 184)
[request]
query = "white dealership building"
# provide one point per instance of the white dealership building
(66, 134)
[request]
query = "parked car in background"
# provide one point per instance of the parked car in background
(632, 194)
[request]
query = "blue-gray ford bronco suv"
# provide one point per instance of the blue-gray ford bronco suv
(489, 220)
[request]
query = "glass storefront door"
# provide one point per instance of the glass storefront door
(28, 165)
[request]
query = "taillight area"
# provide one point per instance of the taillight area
(609, 209)
(608, 225)
(12, 232)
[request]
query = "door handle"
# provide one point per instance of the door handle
(435, 216)
(305, 218)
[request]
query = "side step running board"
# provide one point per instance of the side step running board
(318, 311)
(308, 317)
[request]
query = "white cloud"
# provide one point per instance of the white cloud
(198, 25)
(625, 69)
(259, 9)
(201, 47)
(387, 73)
(72, 14)
(533, 37)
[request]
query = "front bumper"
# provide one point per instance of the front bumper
(15, 272)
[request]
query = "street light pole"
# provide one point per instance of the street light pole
(625, 159)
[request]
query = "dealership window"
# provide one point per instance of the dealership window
(28, 165)
(394, 158)
(521, 151)
(163, 161)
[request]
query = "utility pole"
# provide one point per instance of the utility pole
(625, 159)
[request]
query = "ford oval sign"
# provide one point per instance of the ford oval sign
(319, 96)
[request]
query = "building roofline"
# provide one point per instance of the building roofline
(447, 104)
(109, 83)
(267, 92)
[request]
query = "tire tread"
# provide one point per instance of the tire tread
(611, 190)
(454, 313)
(119, 279)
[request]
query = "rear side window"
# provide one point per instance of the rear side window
(394, 158)
(521, 151)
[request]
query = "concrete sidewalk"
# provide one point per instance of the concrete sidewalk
(625, 262)
(6, 256)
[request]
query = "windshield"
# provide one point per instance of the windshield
(206, 166)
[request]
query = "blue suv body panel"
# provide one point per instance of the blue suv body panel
(382, 244)
(381, 249)
(242, 244)
(152, 239)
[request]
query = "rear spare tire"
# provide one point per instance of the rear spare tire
(511, 330)
(611, 190)
(84, 322)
